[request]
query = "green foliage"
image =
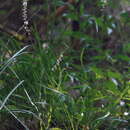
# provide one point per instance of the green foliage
(87, 87)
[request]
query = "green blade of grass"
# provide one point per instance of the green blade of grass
(4, 102)
(29, 98)
(12, 59)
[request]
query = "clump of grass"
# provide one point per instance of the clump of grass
(49, 89)
(77, 98)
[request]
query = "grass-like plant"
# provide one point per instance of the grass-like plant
(49, 85)
(68, 97)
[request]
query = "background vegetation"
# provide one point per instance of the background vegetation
(72, 72)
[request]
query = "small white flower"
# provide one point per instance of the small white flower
(102, 106)
(25, 27)
(26, 22)
(45, 45)
(25, 3)
(82, 114)
(109, 30)
(126, 113)
(122, 103)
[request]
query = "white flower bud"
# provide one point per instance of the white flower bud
(26, 22)
(122, 103)
(25, 3)
(126, 113)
